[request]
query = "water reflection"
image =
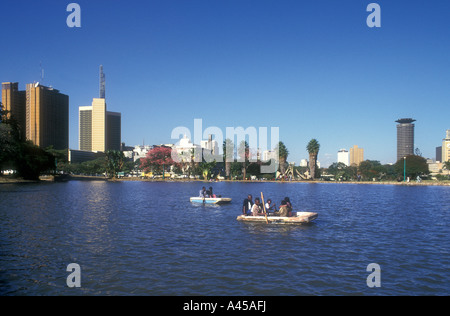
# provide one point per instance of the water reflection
(148, 238)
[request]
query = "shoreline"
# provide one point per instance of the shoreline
(7, 180)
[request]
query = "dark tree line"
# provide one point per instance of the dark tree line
(20, 154)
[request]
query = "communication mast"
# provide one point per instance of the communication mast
(102, 83)
(42, 72)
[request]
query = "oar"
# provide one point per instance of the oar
(264, 205)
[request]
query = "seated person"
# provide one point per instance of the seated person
(202, 192)
(283, 211)
(247, 205)
(256, 208)
(270, 207)
(289, 205)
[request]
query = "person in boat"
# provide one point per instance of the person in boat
(202, 193)
(247, 205)
(211, 194)
(207, 194)
(289, 205)
(270, 207)
(283, 211)
(257, 208)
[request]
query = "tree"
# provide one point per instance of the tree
(313, 150)
(114, 162)
(370, 169)
(338, 170)
(26, 158)
(282, 154)
(244, 156)
(415, 166)
(157, 159)
(31, 160)
(207, 168)
(228, 156)
(9, 139)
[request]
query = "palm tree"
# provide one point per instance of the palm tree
(244, 155)
(283, 153)
(228, 153)
(313, 150)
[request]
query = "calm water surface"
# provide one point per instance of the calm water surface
(144, 238)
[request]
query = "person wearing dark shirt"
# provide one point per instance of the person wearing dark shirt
(247, 204)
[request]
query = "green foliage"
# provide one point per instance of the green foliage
(206, 168)
(26, 158)
(341, 171)
(114, 162)
(415, 166)
(31, 161)
(370, 169)
(313, 147)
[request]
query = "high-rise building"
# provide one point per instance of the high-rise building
(438, 154)
(405, 137)
(344, 157)
(41, 112)
(85, 128)
(98, 125)
(356, 155)
(99, 129)
(14, 101)
(113, 130)
(446, 147)
(47, 116)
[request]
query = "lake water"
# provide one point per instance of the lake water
(146, 238)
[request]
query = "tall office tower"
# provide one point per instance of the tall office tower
(99, 129)
(446, 147)
(47, 116)
(343, 157)
(113, 130)
(14, 101)
(438, 154)
(85, 128)
(98, 125)
(405, 137)
(356, 155)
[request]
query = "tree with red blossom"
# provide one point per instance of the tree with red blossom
(157, 159)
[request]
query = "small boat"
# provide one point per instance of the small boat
(220, 200)
(297, 218)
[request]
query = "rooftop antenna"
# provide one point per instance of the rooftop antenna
(42, 72)
(102, 83)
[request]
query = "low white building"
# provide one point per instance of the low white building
(269, 154)
(140, 151)
(304, 163)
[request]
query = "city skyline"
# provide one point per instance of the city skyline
(315, 70)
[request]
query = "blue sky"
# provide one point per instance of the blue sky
(312, 68)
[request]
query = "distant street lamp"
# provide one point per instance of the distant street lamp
(404, 169)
